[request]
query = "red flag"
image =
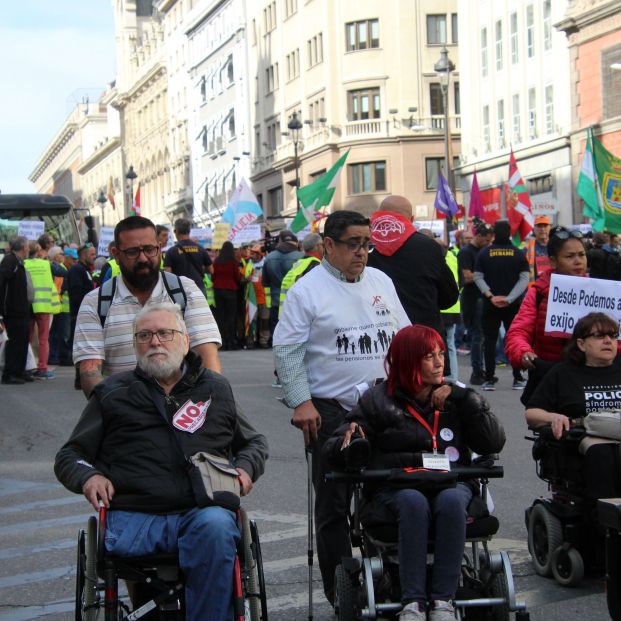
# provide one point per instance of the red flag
(518, 202)
(475, 210)
(135, 210)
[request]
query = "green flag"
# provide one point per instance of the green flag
(599, 185)
(317, 195)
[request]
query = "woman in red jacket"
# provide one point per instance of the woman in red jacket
(526, 344)
(226, 280)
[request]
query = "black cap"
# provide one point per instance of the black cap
(287, 236)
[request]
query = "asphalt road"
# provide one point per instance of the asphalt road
(39, 520)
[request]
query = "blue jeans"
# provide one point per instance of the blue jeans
(416, 513)
(205, 540)
(60, 334)
(452, 353)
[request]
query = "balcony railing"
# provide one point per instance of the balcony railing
(312, 137)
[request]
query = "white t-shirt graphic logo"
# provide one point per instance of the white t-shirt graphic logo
(191, 416)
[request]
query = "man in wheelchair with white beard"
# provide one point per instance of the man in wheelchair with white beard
(130, 451)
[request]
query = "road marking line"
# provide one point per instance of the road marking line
(37, 576)
(284, 518)
(295, 600)
(16, 529)
(281, 535)
(22, 551)
(284, 563)
(42, 504)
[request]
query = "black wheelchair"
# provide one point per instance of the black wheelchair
(156, 581)
(563, 536)
(369, 588)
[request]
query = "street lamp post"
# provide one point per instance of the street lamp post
(102, 200)
(130, 176)
(295, 125)
(443, 69)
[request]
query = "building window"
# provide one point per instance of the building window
(611, 82)
(269, 17)
(316, 109)
(433, 167)
(363, 104)
(547, 25)
(484, 52)
(454, 29)
(486, 132)
(516, 118)
(436, 100)
(515, 56)
(436, 29)
(231, 123)
(291, 7)
(315, 50)
(501, 123)
(203, 89)
(273, 132)
(499, 45)
(532, 114)
(456, 98)
(367, 177)
(530, 31)
(549, 98)
(362, 35)
(230, 73)
(293, 64)
(271, 78)
(539, 185)
(320, 173)
(275, 201)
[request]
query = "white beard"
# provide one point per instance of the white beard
(161, 369)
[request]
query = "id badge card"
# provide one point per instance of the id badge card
(436, 461)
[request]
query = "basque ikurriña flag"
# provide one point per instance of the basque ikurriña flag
(518, 203)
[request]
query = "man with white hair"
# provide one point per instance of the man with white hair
(129, 450)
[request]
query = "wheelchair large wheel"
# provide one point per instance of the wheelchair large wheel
(86, 604)
(500, 588)
(258, 556)
(545, 534)
(252, 594)
(567, 566)
(344, 596)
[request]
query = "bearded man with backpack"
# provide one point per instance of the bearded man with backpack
(103, 341)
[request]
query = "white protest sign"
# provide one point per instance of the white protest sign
(30, 229)
(106, 235)
(250, 233)
(543, 204)
(435, 226)
(201, 234)
(573, 297)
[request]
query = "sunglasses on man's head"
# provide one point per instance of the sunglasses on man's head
(563, 233)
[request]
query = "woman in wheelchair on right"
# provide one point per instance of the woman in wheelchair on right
(586, 383)
(403, 421)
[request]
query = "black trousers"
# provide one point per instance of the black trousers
(16, 349)
(491, 319)
(226, 315)
(331, 500)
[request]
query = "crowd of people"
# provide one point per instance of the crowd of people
(365, 320)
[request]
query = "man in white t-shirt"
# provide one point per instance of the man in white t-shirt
(108, 349)
(330, 343)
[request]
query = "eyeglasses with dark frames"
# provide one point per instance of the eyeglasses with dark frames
(600, 336)
(164, 335)
(134, 252)
(354, 246)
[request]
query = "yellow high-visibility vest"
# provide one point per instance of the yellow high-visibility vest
(451, 261)
(45, 294)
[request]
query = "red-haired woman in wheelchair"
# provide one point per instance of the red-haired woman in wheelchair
(406, 418)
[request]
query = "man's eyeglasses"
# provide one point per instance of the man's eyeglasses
(133, 253)
(600, 336)
(563, 233)
(164, 335)
(354, 246)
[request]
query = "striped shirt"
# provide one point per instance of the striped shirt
(114, 342)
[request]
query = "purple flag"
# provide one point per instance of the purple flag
(445, 201)
(475, 210)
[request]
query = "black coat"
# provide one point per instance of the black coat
(398, 440)
(13, 287)
(423, 280)
(122, 436)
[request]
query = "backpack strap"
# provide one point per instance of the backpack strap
(104, 299)
(175, 289)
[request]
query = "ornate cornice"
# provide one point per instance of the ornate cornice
(62, 138)
(100, 155)
(139, 86)
(583, 13)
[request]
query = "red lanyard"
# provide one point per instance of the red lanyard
(432, 432)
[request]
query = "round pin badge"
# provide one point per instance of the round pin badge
(446, 434)
(452, 453)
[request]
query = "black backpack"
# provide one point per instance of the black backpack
(172, 282)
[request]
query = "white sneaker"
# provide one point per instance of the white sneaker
(412, 612)
(442, 611)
